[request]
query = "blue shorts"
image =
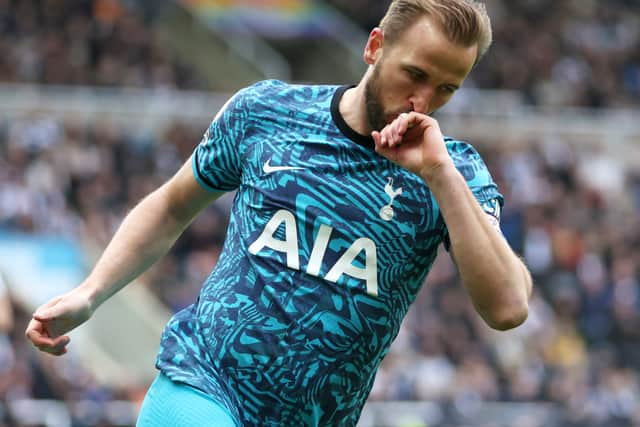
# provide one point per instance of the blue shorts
(173, 404)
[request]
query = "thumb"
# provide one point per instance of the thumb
(48, 311)
(44, 314)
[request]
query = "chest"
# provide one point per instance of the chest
(322, 178)
(316, 202)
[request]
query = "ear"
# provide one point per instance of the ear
(373, 48)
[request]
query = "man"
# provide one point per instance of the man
(344, 195)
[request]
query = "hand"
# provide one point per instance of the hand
(57, 317)
(414, 141)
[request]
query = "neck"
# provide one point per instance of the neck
(353, 108)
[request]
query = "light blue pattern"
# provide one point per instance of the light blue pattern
(287, 346)
(172, 404)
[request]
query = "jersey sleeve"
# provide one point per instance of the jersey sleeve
(216, 160)
(475, 172)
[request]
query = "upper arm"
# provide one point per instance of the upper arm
(185, 196)
(492, 210)
(214, 166)
(475, 172)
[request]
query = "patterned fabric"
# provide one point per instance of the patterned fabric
(327, 246)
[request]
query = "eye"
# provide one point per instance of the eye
(416, 75)
(448, 89)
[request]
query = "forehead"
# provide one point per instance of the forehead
(426, 46)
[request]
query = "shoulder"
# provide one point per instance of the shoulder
(265, 86)
(464, 154)
(461, 150)
(468, 161)
(278, 92)
(241, 105)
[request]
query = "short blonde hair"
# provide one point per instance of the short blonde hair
(465, 22)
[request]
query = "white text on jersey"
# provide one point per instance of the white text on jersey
(344, 265)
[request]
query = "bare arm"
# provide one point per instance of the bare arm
(496, 279)
(146, 234)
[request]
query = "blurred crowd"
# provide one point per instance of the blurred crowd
(81, 42)
(573, 213)
(579, 235)
(555, 52)
(580, 346)
(79, 181)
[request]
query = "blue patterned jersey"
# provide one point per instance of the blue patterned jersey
(327, 246)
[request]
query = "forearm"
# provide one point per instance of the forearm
(146, 234)
(496, 279)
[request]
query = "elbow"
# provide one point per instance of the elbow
(510, 317)
(511, 308)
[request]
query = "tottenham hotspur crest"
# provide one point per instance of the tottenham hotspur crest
(386, 212)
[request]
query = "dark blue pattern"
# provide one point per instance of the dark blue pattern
(294, 346)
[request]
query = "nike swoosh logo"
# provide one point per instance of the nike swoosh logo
(267, 168)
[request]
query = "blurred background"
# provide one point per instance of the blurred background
(102, 100)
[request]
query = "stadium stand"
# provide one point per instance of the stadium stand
(573, 212)
(97, 43)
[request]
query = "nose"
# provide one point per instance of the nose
(421, 99)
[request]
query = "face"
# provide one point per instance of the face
(419, 72)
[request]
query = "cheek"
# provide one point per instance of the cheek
(404, 84)
(395, 81)
(439, 101)
(396, 91)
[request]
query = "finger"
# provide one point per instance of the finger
(56, 351)
(392, 133)
(388, 135)
(404, 123)
(399, 128)
(376, 137)
(40, 340)
(35, 329)
(60, 352)
(38, 334)
(384, 137)
(46, 314)
(60, 347)
(47, 311)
